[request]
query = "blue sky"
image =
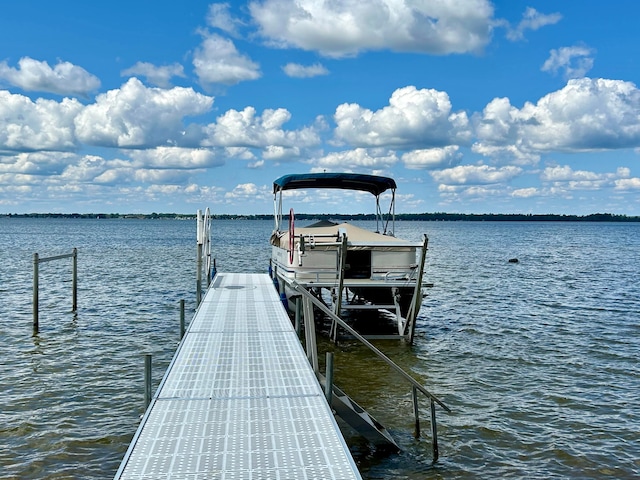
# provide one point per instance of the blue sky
(473, 106)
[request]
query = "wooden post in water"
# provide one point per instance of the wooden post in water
(36, 298)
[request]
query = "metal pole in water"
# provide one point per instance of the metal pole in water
(328, 388)
(75, 280)
(298, 314)
(181, 319)
(199, 240)
(416, 413)
(35, 294)
(147, 380)
(199, 275)
(434, 432)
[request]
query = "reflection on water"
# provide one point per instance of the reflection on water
(539, 360)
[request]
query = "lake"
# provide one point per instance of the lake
(539, 360)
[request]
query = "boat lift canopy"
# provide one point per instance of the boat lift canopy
(373, 184)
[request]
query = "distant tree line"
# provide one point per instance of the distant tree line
(438, 216)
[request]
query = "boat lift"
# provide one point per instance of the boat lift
(394, 286)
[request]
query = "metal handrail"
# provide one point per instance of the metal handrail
(303, 291)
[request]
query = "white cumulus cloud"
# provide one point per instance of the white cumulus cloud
(138, 116)
(175, 158)
(586, 115)
(573, 62)
(217, 61)
(248, 192)
(220, 17)
(357, 159)
(431, 158)
(63, 79)
(345, 27)
(157, 75)
(247, 129)
(26, 125)
(475, 174)
(413, 119)
(565, 178)
(628, 184)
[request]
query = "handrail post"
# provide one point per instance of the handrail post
(416, 413)
(434, 432)
(75, 281)
(36, 302)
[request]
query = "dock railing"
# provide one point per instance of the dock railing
(416, 386)
(36, 284)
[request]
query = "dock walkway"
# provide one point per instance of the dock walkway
(239, 399)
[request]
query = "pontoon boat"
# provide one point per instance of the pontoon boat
(356, 268)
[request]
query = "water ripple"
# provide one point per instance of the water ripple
(539, 360)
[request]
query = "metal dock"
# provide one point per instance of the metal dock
(239, 399)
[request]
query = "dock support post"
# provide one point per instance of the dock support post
(181, 319)
(147, 380)
(74, 307)
(199, 276)
(417, 294)
(416, 413)
(199, 235)
(298, 314)
(310, 334)
(328, 387)
(434, 432)
(36, 297)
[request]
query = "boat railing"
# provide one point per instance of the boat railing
(329, 275)
(408, 274)
(310, 240)
(416, 386)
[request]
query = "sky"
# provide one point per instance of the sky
(472, 106)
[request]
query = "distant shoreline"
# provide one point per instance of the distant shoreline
(447, 217)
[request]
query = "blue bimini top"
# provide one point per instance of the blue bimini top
(346, 181)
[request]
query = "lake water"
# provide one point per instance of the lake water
(538, 360)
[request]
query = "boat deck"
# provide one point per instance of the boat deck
(239, 399)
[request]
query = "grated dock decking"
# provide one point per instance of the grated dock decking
(239, 399)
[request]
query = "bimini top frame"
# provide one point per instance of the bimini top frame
(373, 184)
